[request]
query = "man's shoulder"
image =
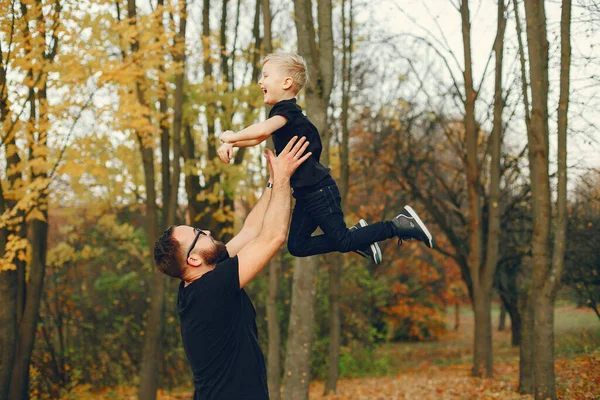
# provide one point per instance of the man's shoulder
(224, 270)
(227, 267)
(220, 283)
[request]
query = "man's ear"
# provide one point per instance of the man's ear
(288, 82)
(195, 260)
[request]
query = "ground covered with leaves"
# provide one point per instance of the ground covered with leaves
(441, 369)
(576, 379)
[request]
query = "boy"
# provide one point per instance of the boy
(318, 202)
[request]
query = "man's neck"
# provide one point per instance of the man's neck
(196, 274)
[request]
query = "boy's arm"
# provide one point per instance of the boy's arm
(259, 131)
(247, 143)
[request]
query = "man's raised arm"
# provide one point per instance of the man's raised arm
(256, 254)
(254, 221)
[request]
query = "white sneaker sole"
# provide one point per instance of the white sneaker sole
(377, 256)
(421, 225)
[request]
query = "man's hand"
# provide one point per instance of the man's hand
(227, 136)
(225, 152)
(285, 164)
(256, 254)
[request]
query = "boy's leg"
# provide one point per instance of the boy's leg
(324, 206)
(302, 227)
(373, 251)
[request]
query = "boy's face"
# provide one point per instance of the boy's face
(274, 83)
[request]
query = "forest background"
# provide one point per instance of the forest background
(481, 114)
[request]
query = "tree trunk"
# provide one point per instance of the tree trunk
(275, 265)
(543, 354)
(526, 350)
(493, 236)
(515, 328)
(29, 293)
(10, 293)
(319, 58)
(526, 372)
(27, 327)
(543, 351)
(563, 111)
(297, 362)
(273, 358)
(267, 19)
(179, 58)
(482, 350)
(547, 276)
(336, 260)
(482, 355)
(8, 328)
(154, 321)
(502, 318)
(456, 316)
(8, 279)
(335, 321)
(512, 309)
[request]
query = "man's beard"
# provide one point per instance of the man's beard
(216, 254)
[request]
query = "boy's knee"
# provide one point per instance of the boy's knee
(342, 245)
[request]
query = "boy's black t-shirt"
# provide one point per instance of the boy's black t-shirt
(311, 171)
(220, 338)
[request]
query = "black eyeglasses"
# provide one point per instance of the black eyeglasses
(198, 233)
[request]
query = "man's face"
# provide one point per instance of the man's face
(200, 246)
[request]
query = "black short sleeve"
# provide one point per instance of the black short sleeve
(216, 292)
(287, 109)
(311, 171)
(226, 276)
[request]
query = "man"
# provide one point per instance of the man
(218, 320)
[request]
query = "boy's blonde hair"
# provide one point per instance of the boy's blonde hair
(293, 65)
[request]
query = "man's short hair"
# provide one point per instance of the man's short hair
(293, 65)
(168, 255)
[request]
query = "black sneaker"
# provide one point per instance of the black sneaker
(373, 251)
(409, 226)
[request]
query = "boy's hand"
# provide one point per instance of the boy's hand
(227, 136)
(225, 152)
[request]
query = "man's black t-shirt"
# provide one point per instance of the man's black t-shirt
(311, 171)
(218, 328)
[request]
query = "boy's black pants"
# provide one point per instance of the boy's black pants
(322, 208)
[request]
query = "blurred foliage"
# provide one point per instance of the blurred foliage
(582, 266)
(94, 302)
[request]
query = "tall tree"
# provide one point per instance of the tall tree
(547, 268)
(145, 135)
(154, 322)
(33, 29)
(10, 264)
(275, 265)
(525, 298)
(318, 53)
(337, 260)
(482, 271)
